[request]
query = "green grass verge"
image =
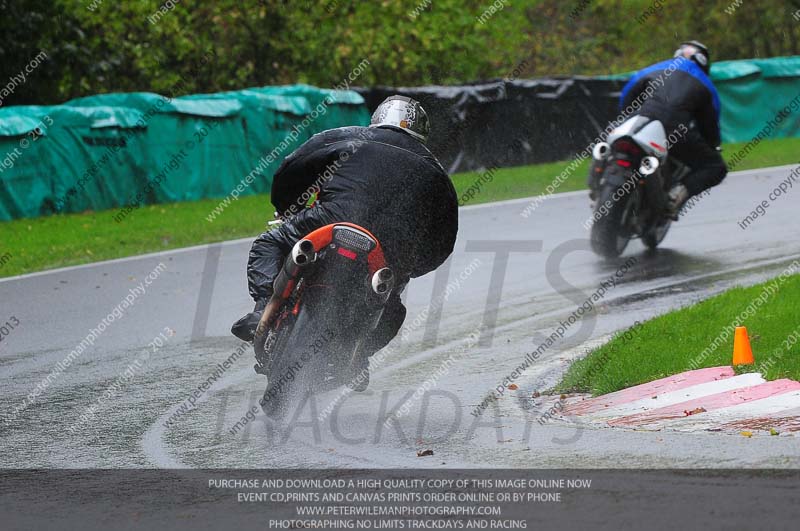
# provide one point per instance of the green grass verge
(56, 241)
(667, 344)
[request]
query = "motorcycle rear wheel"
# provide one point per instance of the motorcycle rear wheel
(610, 235)
(298, 366)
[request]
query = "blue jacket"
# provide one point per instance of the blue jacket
(676, 92)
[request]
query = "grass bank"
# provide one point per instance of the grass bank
(686, 339)
(28, 245)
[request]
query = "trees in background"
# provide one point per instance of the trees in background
(96, 46)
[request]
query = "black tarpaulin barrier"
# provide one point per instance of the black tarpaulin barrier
(510, 123)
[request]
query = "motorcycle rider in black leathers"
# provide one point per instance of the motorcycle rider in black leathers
(684, 96)
(381, 177)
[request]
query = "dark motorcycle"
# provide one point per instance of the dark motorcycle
(327, 299)
(629, 183)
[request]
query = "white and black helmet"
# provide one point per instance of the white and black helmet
(405, 114)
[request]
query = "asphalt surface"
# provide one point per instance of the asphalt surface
(137, 390)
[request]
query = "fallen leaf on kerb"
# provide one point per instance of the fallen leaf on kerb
(695, 411)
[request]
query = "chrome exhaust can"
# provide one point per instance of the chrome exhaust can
(383, 282)
(303, 253)
(649, 165)
(600, 151)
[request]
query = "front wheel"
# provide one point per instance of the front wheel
(610, 232)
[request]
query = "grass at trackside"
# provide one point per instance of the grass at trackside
(520, 181)
(56, 241)
(666, 344)
(775, 152)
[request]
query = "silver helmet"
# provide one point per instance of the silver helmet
(405, 114)
(695, 51)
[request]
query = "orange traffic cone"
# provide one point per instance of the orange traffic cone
(742, 353)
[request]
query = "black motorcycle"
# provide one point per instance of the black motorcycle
(629, 183)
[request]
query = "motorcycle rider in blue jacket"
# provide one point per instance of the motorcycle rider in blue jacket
(685, 100)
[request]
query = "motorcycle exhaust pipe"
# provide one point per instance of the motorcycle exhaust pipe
(600, 151)
(649, 165)
(303, 253)
(383, 282)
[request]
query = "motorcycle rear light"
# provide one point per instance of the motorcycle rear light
(623, 163)
(347, 253)
(353, 239)
(626, 146)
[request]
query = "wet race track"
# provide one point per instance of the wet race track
(126, 399)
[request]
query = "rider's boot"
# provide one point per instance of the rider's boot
(245, 327)
(677, 198)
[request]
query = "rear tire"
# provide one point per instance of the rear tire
(609, 235)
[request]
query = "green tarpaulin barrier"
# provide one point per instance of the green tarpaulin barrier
(758, 93)
(345, 107)
(68, 159)
(120, 151)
